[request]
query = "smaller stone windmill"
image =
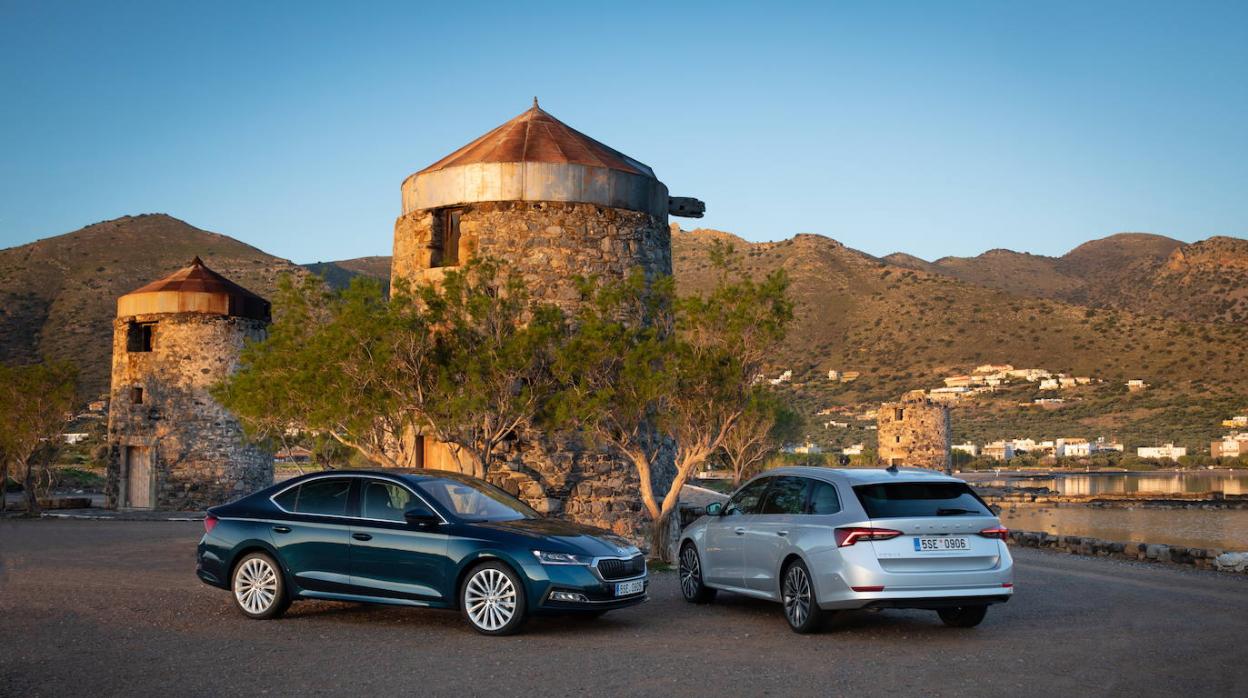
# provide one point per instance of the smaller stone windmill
(171, 445)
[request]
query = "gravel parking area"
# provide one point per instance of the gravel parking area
(113, 607)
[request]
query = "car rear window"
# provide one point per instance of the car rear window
(894, 500)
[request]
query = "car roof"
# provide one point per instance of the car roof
(413, 474)
(863, 476)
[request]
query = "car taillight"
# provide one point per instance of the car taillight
(210, 522)
(1000, 533)
(846, 537)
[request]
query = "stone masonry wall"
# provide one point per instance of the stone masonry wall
(197, 449)
(919, 436)
(549, 243)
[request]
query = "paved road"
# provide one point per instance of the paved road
(100, 607)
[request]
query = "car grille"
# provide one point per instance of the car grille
(622, 569)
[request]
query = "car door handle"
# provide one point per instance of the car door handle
(782, 533)
(739, 530)
(361, 536)
(281, 529)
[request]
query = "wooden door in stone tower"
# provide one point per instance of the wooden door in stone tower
(138, 477)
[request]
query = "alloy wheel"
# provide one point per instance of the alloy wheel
(490, 599)
(255, 585)
(796, 595)
(690, 572)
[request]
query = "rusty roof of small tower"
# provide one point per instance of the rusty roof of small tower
(196, 278)
(536, 136)
(190, 281)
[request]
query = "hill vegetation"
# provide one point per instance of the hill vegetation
(1127, 306)
(58, 296)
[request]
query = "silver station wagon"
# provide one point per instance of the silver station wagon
(823, 539)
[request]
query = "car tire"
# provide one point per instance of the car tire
(258, 588)
(690, 570)
(963, 616)
(492, 599)
(801, 606)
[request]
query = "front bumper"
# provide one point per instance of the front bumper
(598, 594)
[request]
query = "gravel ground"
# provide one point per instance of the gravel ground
(112, 607)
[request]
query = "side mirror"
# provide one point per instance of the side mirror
(422, 519)
(715, 509)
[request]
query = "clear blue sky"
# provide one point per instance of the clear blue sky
(931, 127)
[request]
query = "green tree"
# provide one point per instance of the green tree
(766, 424)
(487, 375)
(322, 369)
(35, 402)
(465, 360)
(648, 374)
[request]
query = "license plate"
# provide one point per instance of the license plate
(629, 588)
(936, 544)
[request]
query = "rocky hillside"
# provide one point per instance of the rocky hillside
(1139, 272)
(339, 274)
(58, 295)
(903, 328)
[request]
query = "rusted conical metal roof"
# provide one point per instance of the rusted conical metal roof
(194, 288)
(536, 136)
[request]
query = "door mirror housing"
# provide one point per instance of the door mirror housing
(421, 518)
(715, 509)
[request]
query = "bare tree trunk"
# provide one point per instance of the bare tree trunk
(28, 489)
(659, 538)
(4, 485)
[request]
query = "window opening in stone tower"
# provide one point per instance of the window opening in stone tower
(446, 253)
(900, 414)
(136, 395)
(139, 336)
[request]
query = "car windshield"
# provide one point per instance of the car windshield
(475, 501)
(902, 499)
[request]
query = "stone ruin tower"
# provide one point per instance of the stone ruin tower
(171, 446)
(553, 203)
(914, 431)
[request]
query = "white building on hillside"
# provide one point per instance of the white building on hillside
(968, 448)
(1103, 446)
(999, 450)
(1168, 451)
(1073, 448)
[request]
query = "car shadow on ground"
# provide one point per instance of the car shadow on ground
(844, 621)
(401, 616)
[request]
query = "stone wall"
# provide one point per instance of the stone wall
(1200, 558)
(915, 432)
(549, 243)
(197, 450)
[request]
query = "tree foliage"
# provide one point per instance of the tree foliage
(464, 361)
(35, 402)
(647, 372)
(766, 424)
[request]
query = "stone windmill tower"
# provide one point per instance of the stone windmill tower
(553, 203)
(171, 446)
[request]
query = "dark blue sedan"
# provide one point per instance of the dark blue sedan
(414, 538)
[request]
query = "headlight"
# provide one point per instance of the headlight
(561, 558)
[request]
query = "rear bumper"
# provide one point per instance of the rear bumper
(837, 574)
(938, 602)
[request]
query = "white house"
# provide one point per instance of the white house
(807, 448)
(1073, 448)
(1103, 446)
(1168, 451)
(968, 448)
(855, 450)
(784, 378)
(999, 450)
(1050, 384)
(1135, 385)
(75, 437)
(1231, 446)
